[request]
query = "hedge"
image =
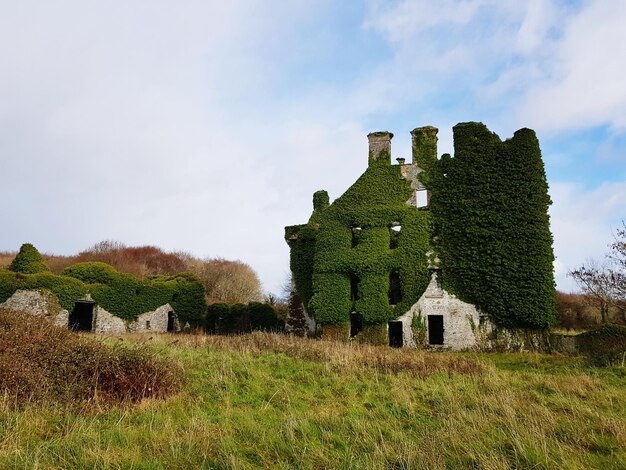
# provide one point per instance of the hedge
(121, 294)
(242, 318)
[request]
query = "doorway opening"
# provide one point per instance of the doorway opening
(395, 334)
(170, 321)
(435, 329)
(81, 318)
(356, 324)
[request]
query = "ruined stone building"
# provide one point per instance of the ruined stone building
(95, 297)
(87, 316)
(450, 252)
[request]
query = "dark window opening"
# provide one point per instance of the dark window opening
(356, 236)
(394, 236)
(147, 324)
(435, 329)
(395, 334)
(81, 318)
(354, 287)
(170, 321)
(356, 324)
(395, 289)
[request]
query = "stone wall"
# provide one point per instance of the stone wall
(106, 322)
(37, 302)
(460, 319)
(298, 321)
(155, 321)
(44, 303)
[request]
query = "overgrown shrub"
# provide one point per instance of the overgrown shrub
(122, 294)
(43, 362)
(28, 261)
(91, 272)
(242, 318)
(604, 346)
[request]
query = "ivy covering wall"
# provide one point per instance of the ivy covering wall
(121, 294)
(343, 259)
(487, 222)
(490, 208)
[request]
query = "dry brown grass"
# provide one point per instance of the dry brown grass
(344, 356)
(43, 362)
(5, 258)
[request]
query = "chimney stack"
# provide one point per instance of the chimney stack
(380, 147)
(424, 146)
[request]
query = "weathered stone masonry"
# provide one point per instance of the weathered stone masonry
(41, 302)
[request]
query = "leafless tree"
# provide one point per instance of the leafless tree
(605, 282)
(227, 281)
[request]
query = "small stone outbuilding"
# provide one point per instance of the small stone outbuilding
(88, 316)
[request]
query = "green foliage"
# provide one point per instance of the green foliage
(43, 362)
(490, 207)
(121, 294)
(28, 261)
(352, 239)
(301, 239)
(216, 315)
(91, 272)
(241, 318)
(320, 200)
(604, 346)
(66, 289)
(419, 329)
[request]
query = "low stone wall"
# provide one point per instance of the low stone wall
(491, 338)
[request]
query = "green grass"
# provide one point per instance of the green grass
(269, 401)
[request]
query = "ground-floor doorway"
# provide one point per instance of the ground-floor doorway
(170, 321)
(81, 318)
(395, 334)
(356, 324)
(435, 329)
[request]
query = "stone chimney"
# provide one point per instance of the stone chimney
(380, 147)
(424, 141)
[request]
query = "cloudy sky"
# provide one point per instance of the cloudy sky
(205, 126)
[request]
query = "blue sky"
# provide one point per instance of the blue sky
(206, 126)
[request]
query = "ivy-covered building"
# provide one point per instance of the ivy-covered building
(95, 297)
(433, 251)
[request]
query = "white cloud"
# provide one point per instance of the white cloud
(185, 126)
(583, 222)
(583, 84)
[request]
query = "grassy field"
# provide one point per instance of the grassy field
(270, 401)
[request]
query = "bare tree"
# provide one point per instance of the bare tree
(605, 282)
(227, 281)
